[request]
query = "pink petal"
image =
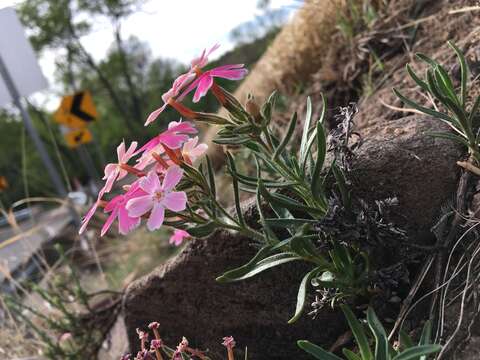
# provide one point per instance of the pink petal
(130, 152)
(139, 206)
(109, 170)
(112, 204)
(121, 150)
(199, 150)
(205, 83)
(235, 74)
(151, 118)
(189, 89)
(150, 183)
(155, 220)
(109, 222)
(110, 181)
(228, 67)
(175, 201)
(173, 176)
(87, 217)
(126, 223)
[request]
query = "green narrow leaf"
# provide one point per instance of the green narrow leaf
(405, 340)
(463, 72)
(269, 234)
(233, 172)
(211, 177)
(426, 59)
(265, 264)
(284, 222)
(316, 185)
(342, 185)
(423, 109)
(474, 110)
(231, 275)
(417, 351)
(381, 340)
(350, 355)
(288, 136)
(425, 338)
(415, 78)
(445, 83)
(358, 333)
(448, 136)
(316, 351)
(306, 128)
(302, 295)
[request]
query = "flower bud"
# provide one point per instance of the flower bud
(253, 109)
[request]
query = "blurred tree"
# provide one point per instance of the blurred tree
(60, 24)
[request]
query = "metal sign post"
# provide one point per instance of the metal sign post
(52, 171)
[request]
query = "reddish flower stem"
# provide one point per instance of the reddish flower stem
(132, 170)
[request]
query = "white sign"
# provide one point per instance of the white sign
(19, 58)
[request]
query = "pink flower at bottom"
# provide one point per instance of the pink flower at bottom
(178, 237)
(160, 196)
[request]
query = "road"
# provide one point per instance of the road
(18, 246)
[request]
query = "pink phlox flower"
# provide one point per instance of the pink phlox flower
(204, 82)
(202, 60)
(117, 209)
(178, 236)
(192, 151)
(160, 196)
(177, 133)
(114, 171)
(229, 342)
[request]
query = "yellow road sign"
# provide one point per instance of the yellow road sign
(76, 111)
(77, 137)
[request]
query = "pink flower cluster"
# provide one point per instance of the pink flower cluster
(182, 350)
(152, 180)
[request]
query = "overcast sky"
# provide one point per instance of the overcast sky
(177, 29)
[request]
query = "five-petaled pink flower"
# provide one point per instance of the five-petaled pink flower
(115, 171)
(204, 81)
(160, 196)
(174, 137)
(117, 209)
(178, 236)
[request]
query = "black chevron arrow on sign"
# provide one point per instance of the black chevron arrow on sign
(77, 111)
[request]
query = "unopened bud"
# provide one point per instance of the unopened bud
(253, 109)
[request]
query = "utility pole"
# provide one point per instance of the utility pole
(32, 132)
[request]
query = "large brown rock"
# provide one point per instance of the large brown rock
(187, 301)
(397, 159)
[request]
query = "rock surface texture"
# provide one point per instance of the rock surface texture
(396, 159)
